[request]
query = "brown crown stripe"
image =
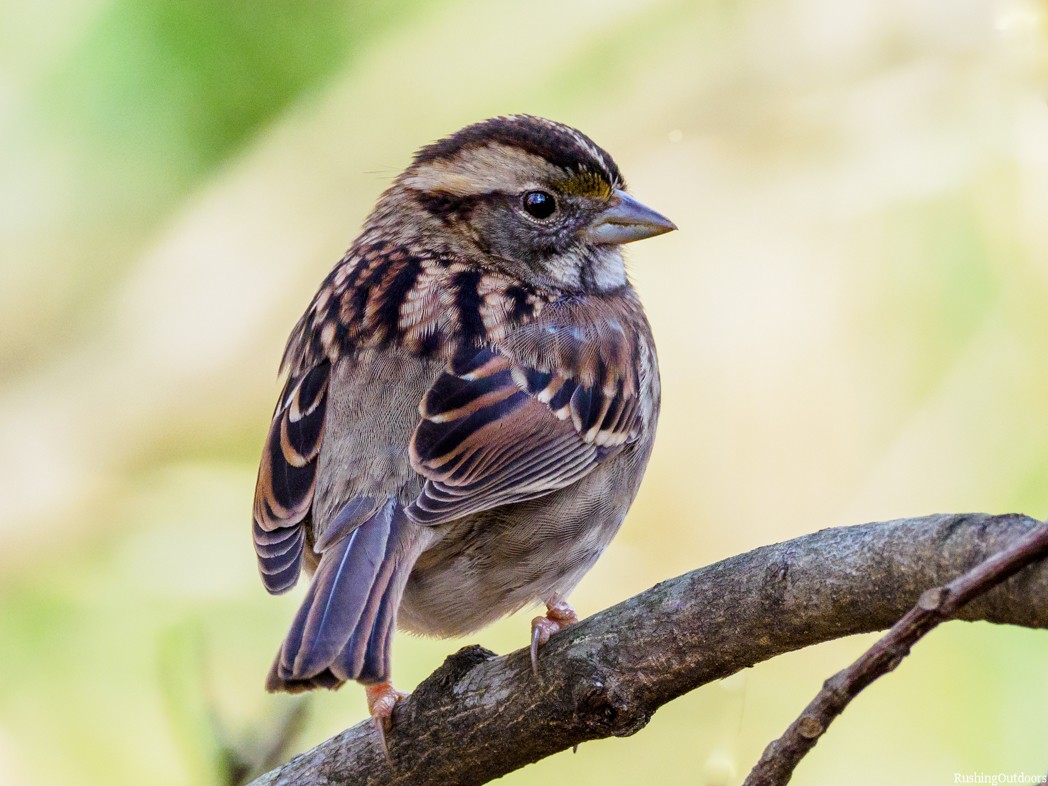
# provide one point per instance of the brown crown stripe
(558, 144)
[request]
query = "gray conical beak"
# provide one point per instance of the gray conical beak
(627, 220)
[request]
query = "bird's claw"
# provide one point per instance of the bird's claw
(559, 615)
(382, 698)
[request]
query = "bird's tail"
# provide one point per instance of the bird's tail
(345, 625)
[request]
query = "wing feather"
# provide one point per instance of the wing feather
(287, 478)
(501, 426)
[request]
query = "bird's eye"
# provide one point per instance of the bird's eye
(539, 204)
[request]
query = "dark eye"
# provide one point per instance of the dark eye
(539, 204)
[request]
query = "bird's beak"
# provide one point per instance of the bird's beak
(625, 221)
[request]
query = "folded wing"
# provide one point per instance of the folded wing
(509, 424)
(287, 476)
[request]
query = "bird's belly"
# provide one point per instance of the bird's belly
(491, 564)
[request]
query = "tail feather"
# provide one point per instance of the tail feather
(370, 648)
(343, 629)
(379, 644)
(343, 586)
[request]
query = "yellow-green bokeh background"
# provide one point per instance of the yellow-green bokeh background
(851, 323)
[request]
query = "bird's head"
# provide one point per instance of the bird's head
(535, 198)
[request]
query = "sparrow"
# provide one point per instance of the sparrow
(470, 403)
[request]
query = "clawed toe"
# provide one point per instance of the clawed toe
(559, 615)
(541, 629)
(382, 698)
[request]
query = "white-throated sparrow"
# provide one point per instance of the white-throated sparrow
(470, 404)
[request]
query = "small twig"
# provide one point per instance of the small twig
(935, 605)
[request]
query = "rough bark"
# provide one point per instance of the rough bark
(480, 716)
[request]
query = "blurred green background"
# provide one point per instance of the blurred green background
(851, 323)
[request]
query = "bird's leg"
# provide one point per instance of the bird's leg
(559, 615)
(382, 698)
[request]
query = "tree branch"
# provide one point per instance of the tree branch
(936, 605)
(480, 716)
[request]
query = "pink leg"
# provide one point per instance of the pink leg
(559, 615)
(382, 698)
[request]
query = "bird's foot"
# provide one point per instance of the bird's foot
(382, 698)
(559, 615)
